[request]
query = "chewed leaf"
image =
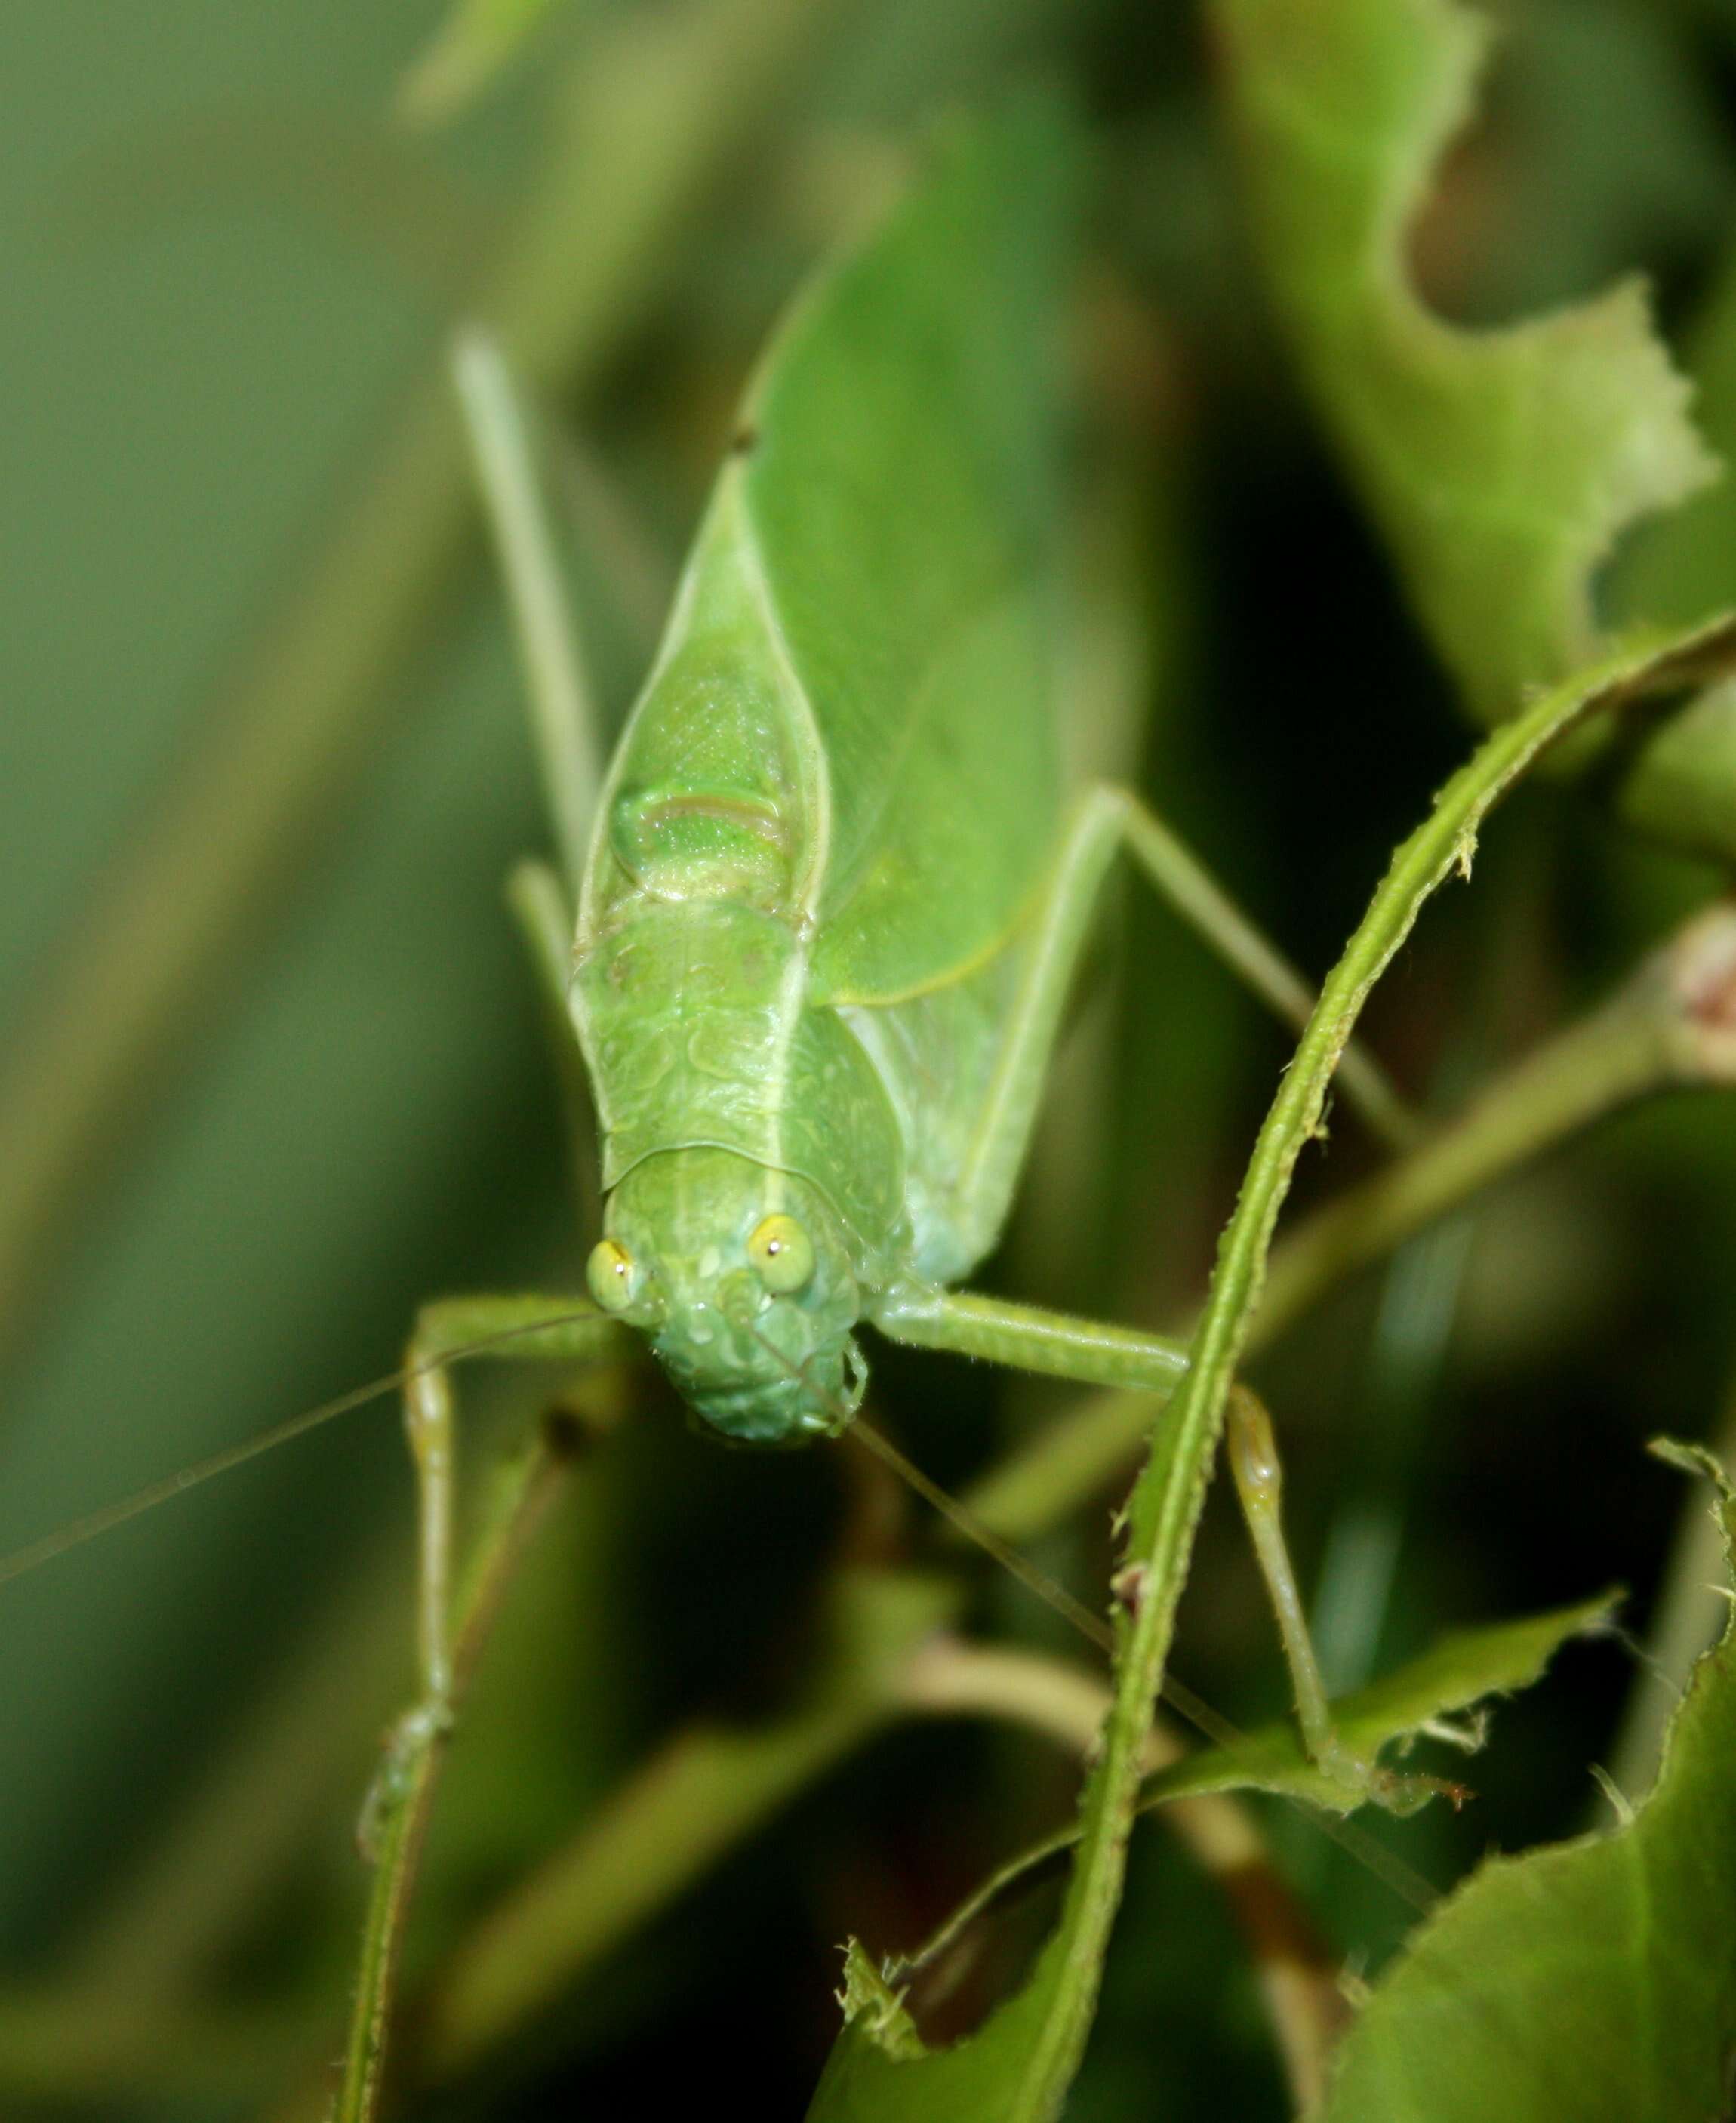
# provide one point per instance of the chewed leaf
(880, 2071)
(1501, 465)
(1591, 1982)
(869, 1998)
(1449, 1678)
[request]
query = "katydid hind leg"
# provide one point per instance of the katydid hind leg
(1104, 820)
(559, 691)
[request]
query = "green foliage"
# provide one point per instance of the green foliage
(1021, 2065)
(1461, 1671)
(1503, 464)
(1590, 1982)
(1420, 1701)
(270, 1059)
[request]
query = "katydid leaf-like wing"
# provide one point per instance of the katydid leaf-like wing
(898, 483)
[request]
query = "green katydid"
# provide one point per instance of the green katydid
(816, 926)
(814, 931)
(830, 898)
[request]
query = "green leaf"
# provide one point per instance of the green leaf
(1459, 1671)
(1591, 1980)
(1682, 784)
(881, 2072)
(1501, 466)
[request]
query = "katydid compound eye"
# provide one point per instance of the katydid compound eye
(783, 1253)
(611, 1275)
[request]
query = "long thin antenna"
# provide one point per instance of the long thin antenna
(1046, 1588)
(76, 1531)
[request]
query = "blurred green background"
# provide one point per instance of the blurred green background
(229, 270)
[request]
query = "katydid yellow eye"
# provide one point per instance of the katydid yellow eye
(783, 1253)
(611, 1275)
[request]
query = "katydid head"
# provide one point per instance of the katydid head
(740, 1277)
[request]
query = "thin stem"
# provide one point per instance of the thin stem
(1297, 1970)
(403, 1824)
(1167, 1499)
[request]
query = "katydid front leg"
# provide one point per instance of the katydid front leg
(1094, 1352)
(538, 1329)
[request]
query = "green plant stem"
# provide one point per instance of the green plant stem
(1296, 1966)
(1670, 1024)
(522, 1496)
(655, 105)
(1167, 1496)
